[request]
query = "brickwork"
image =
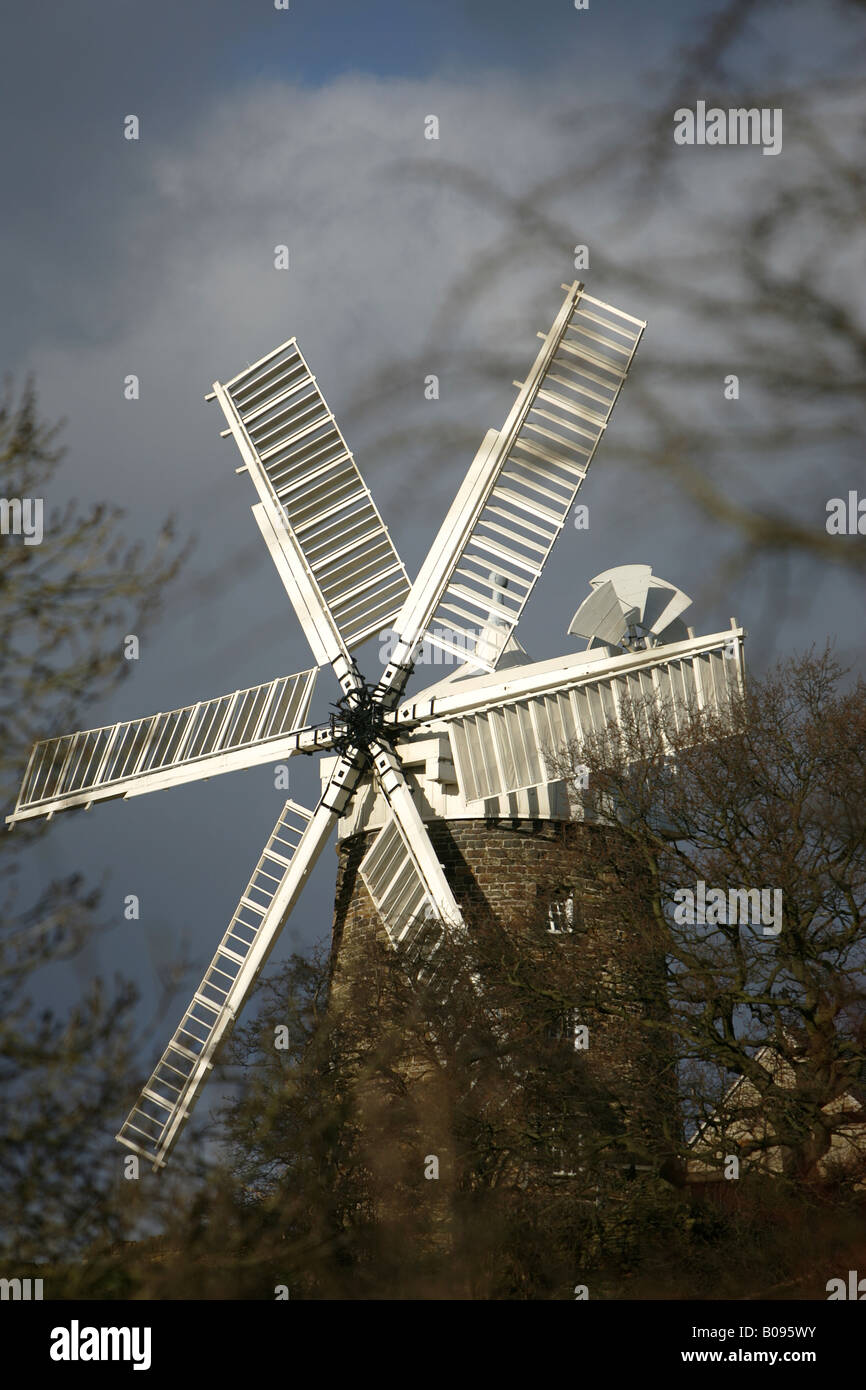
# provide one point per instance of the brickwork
(508, 872)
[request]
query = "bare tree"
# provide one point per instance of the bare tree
(64, 604)
(746, 405)
(752, 832)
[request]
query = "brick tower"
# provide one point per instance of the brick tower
(527, 863)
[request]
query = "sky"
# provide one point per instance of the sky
(306, 127)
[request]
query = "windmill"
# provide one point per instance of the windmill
(498, 717)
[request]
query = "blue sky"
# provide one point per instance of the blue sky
(156, 257)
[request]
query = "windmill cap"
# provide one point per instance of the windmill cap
(628, 595)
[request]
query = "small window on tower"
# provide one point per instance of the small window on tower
(568, 1028)
(560, 915)
(567, 1156)
(563, 913)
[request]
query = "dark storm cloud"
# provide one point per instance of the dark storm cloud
(156, 257)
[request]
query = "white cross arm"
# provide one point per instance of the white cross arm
(392, 781)
(499, 531)
(242, 729)
(317, 516)
(507, 735)
(298, 838)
